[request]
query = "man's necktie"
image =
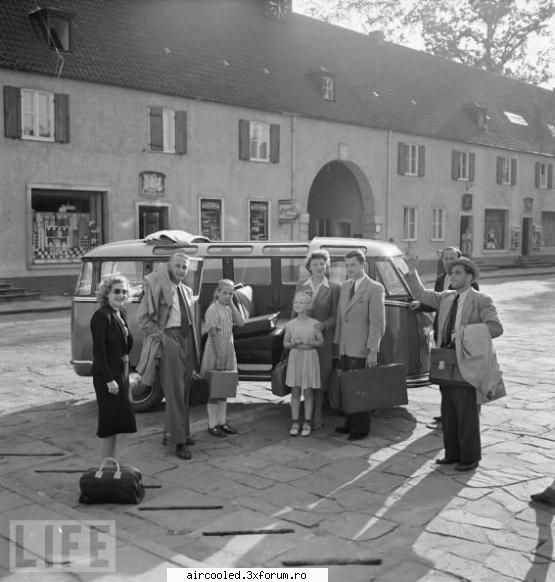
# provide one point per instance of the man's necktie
(450, 325)
(352, 290)
(183, 310)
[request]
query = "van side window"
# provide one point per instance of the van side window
(84, 282)
(133, 270)
(293, 271)
(252, 271)
(390, 279)
(192, 278)
(212, 270)
(338, 271)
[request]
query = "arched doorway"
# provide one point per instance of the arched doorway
(340, 202)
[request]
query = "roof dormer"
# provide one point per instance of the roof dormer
(478, 114)
(54, 26)
(324, 82)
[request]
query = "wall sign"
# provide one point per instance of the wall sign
(288, 211)
(528, 204)
(466, 202)
(152, 184)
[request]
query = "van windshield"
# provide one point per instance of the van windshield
(390, 278)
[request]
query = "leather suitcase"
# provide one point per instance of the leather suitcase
(199, 392)
(222, 384)
(444, 369)
(260, 325)
(372, 388)
(111, 483)
(279, 388)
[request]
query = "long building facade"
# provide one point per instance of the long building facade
(224, 119)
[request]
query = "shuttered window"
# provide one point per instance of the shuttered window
(259, 141)
(411, 160)
(543, 175)
(36, 115)
(506, 171)
(463, 166)
(167, 130)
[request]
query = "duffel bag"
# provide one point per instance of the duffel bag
(111, 483)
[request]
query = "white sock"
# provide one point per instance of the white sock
(222, 412)
(212, 409)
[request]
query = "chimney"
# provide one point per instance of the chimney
(377, 36)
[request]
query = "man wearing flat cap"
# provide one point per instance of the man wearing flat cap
(457, 309)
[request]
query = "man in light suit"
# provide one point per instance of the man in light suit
(359, 330)
(456, 309)
(166, 316)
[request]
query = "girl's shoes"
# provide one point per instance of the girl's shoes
(306, 429)
(295, 427)
(227, 428)
(217, 432)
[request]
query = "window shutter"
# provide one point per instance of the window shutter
(471, 167)
(537, 175)
(156, 129)
(61, 117)
(455, 165)
(499, 172)
(12, 111)
(244, 139)
(274, 143)
(402, 158)
(513, 171)
(180, 132)
(421, 160)
(550, 176)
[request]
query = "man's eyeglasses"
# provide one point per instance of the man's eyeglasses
(120, 291)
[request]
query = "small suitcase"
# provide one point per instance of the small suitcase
(373, 388)
(444, 368)
(199, 392)
(279, 388)
(111, 484)
(222, 384)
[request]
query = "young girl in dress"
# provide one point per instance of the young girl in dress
(302, 337)
(219, 351)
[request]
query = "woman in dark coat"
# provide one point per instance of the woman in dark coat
(112, 342)
(325, 297)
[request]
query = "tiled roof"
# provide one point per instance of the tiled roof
(178, 47)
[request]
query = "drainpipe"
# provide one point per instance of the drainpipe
(292, 166)
(388, 184)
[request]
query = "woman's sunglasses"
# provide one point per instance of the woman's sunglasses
(120, 291)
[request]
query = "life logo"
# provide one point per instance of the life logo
(66, 545)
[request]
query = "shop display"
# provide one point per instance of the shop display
(63, 236)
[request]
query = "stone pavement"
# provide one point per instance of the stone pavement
(379, 498)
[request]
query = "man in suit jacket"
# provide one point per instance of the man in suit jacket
(442, 283)
(359, 329)
(456, 309)
(166, 316)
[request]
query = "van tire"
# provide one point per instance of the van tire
(146, 398)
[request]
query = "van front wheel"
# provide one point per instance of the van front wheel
(145, 398)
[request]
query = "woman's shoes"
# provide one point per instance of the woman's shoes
(217, 431)
(295, 427)
(306, 429)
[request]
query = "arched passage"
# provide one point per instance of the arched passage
(341, 202)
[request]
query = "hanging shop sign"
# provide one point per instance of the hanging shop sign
(288, 211)
(466, 203)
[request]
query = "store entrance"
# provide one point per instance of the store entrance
(152, 219)
(526, 236)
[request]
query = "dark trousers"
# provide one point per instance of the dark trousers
(461, 424)
(359, 422)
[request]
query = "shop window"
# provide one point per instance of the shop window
(66, 224)
(548, 229)
(259, 220)
(258, 141)
(495, 227)
(409, 223)
(211, 218)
